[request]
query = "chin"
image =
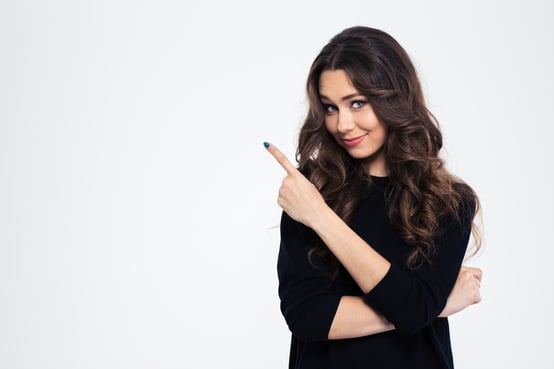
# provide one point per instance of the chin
(361, 154)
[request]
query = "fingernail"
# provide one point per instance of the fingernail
(266, 144)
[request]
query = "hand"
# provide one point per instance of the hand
(465, 292)
(298, 197)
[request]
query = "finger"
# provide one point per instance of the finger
(281, 159)
(476, 272)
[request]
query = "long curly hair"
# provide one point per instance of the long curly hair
(421, 190)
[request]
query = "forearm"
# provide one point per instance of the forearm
(363, 263)
(354, 318)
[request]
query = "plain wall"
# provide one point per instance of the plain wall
(138, 207)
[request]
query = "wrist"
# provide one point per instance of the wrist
(322, 218)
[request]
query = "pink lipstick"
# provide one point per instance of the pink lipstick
(351, 142)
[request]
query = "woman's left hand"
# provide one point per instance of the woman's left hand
(298, 197)
(466, 291)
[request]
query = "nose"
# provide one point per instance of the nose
(345, 123)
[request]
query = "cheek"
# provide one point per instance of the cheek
(376, 126)
(382, 133)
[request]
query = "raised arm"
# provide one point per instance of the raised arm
(409, 300)
(301, 200)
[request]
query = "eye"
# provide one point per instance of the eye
(358, 104)
(329, 109)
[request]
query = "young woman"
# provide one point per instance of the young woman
(374, 228)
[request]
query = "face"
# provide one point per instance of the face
(351, 120)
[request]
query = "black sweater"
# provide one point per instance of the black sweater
(411, 300)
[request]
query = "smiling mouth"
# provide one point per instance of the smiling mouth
(351, 142)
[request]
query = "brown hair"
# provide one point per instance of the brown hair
(421, 190)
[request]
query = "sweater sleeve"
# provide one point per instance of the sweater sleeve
(411, 300)
(308, 301)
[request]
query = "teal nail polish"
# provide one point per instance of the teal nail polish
(266, 144)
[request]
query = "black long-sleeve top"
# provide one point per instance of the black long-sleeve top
(411, 300)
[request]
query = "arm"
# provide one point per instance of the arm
(301, 200)
(355, 318)
(417, 298)
(314, 310)
(365, 265)
(409, 300)
(313, 307)
(412, 300)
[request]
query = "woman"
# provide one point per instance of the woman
(374, 228)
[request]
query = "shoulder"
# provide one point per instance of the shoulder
(468, 203)
(466, 207)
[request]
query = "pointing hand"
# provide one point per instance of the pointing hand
(298, 197)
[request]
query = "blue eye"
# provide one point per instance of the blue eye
(358, 104)
(329, 109)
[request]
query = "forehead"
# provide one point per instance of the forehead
(335, 84)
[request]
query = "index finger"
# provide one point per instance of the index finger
(281, 159)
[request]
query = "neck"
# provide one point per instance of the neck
(376, 165)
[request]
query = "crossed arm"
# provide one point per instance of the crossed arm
(354, 318)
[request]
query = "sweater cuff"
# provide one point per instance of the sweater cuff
(316, 323)
(389, 294)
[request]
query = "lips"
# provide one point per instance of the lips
(351, 142)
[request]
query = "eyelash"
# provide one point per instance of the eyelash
(330, 109)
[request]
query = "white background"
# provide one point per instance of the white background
(138, 207)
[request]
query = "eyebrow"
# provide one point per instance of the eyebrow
(344, 98)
